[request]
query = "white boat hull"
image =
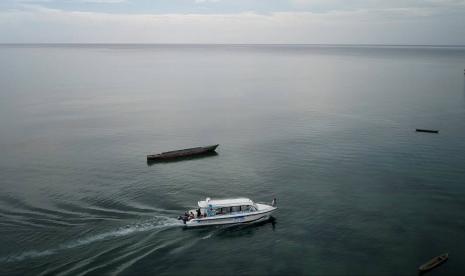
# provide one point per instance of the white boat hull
(240, 218)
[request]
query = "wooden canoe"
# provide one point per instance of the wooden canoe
(434, 262)
(427, 130)
(182, 153)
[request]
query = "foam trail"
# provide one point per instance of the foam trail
(124, 231)
(156, 223)
(27, 255)
(207, 236)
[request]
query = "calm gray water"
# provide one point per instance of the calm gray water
(327, 130)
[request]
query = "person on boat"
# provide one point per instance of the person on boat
(210, 211)
(191, 215)
(199, 214)
(185, 217)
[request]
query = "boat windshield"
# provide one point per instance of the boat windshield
(212, 211)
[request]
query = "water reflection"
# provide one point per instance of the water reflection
(179, 159)
(235, 230)
(240, 230)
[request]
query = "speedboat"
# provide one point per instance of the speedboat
(227, 211)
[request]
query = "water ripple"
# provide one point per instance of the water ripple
(155, 223)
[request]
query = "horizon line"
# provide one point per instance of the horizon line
(225, 44)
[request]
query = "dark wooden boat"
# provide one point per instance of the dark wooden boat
(427, 130)
(434, 262)
(169, 155)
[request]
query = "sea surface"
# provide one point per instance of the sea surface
(328, 130)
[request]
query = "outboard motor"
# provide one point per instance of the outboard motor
(183, 218)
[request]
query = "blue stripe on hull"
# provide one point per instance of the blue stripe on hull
(227, 223)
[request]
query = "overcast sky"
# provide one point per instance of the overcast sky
(234, 21)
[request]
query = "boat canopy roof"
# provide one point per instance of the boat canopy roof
(227, 202)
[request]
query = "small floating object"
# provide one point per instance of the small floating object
(434, 262)
(427, 130)
(170, 155)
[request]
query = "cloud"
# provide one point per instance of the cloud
(104, 1)
(206, 1)
(406, 25)
(343, 4)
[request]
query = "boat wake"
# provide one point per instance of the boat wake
(158, 222)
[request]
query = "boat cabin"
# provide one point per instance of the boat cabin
(212, 207)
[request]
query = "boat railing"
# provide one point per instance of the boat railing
(264, 203)
(273, 203)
